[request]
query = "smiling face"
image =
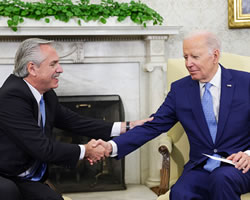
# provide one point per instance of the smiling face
(200, 60)
(45, 76)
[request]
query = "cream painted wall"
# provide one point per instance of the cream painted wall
(193, 15)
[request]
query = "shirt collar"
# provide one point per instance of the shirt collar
(34, 91)
(216, 80)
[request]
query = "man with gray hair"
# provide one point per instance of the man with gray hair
(213, 106)
(29, 111)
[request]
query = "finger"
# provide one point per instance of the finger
(150, 119)
(99, 157)
(237, 157)
(97, 143)
(246, 169)
(91, 142)
(107, 153)
(231, 157)
(242, 164)
(90, 161)
(108, 150)
(94, 144)
(238, 164)
(100, 141)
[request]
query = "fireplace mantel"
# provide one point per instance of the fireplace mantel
(90, 31)
(112, 28)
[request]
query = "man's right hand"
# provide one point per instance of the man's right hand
(94, 152)
(106, 145)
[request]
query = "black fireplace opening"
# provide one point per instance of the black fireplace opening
(105, 175)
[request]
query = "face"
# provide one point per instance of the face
(45, 76)
(200, 63)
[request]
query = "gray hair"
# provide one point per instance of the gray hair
(212, 41)
(28, 51)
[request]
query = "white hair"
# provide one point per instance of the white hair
(28, 51)
(212, 41)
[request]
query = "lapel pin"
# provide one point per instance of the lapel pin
(229, 85)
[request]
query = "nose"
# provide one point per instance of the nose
(189, 62)
(59, 69)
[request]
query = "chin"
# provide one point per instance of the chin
(54, 86)
(194, 78)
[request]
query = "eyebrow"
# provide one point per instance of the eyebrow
(54, 61)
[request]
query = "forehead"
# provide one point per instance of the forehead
(49, 52)
(195, 44)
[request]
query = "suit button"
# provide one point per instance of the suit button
(215, 150)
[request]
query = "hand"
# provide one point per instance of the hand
(106, 145)
(135, 123)
(140, 122)
(241, 161)
(94, 153)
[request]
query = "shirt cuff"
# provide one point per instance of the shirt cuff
(82, 153)
(116, 129)
(247, 152)
(114, 148)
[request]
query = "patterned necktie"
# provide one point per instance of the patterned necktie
(207, 105)
(39, 168)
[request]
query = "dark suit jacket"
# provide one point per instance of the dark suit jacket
(21, 139)
(183, 104)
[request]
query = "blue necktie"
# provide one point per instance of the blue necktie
(42, 110)
(207, 105)
(39, 168)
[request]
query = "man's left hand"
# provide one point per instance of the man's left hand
(241, 161)
(135, 123)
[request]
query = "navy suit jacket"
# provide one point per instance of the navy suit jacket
(22, 141)
(183, 104)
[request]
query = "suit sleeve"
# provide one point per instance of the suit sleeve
(164, 119)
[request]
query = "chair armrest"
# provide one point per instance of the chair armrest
(165, 149)
(166, 142)
(66, 198)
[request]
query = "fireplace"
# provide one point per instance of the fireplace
(103, 176)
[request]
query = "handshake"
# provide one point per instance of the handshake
(96, 150)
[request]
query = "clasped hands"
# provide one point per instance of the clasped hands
(96, 150)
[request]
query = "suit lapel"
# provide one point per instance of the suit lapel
(195, 101)
(227, 90)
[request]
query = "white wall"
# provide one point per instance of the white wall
(193, 15)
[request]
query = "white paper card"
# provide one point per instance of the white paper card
(220, 159)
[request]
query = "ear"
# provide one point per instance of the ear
(31, 68)
(216, 56)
